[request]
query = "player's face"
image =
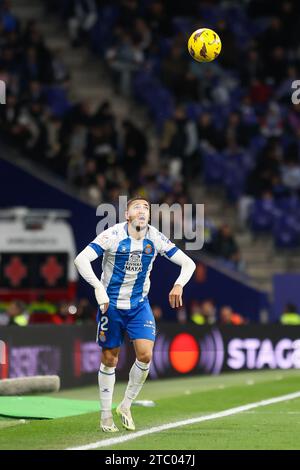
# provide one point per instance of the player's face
(138, 214)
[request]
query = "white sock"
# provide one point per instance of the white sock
(106, 381)
(137, 376)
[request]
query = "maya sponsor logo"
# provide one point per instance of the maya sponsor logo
(134, 263)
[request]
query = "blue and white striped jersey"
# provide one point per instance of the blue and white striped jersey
(127, 262)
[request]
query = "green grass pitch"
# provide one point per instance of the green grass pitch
(275, 426)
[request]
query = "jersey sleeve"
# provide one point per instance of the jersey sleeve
(164, 246)
(103, 242)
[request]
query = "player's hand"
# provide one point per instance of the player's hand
(102, 298)
(175, 296)
(104, 307)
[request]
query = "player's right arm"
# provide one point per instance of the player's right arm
(83, 263)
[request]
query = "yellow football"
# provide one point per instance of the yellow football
(204, 45)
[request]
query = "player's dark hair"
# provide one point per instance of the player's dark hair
(137, 198)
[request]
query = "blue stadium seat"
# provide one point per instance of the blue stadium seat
(262, 216)
(213, 168)
(286, 232)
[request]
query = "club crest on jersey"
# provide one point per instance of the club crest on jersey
(102, 336)
(134, 263)
(148, 249)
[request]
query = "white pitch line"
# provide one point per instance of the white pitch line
(186, 422)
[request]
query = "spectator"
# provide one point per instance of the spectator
(65, 314)
(16, 314)
(100, 146)
(209, 311)
(290, 315)
(203, 313)
(236, 130)
(143, 30)
(209, 136)
(272, 124)
(225, 246)
(32, 131)
(173, 70)
(157, 312)
(181, 315)
(291, 175)
(272, 36)
(82, 17)
(59, 69)
(229, 317)
(134, 150)
(229, 54)
(85, 312)
(158, 19)
(252, 68)
(196, 314)
(128, 14)
(124, 58)
(179, 141)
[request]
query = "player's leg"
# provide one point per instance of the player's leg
(141, 330)
(139, 371)
(110, 336)
(137, 377)
(106, 381)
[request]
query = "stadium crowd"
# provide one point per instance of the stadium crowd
(84, 146)
(229, 124)
(205, 312)
(42, 311)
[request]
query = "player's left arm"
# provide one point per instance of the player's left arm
(187, 268)
(168, 249)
